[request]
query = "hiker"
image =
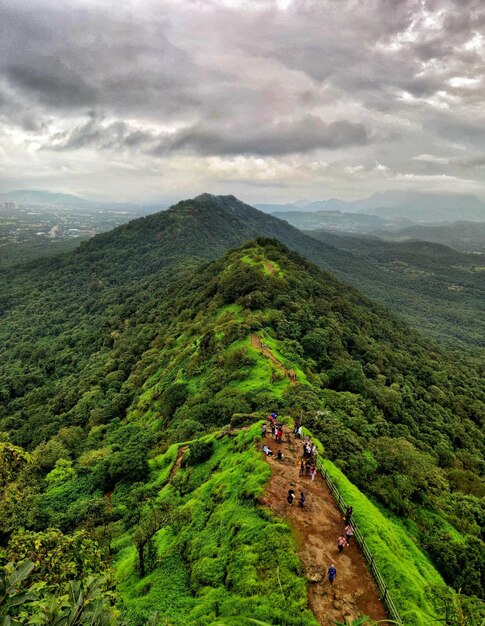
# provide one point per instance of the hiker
(290, 497)
(280, 455)
(341, 543)
(299, 432)
(279, 434)
(263, 431)
(307, 467)
(267, 450)
(302, 468)
(301, 501)
(314, 451)
(332, 572)
(273, 429)
(296, 427)
(348, 515)
(273, 415)
(313, 472)
(349, 532)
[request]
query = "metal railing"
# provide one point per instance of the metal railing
(384, 591)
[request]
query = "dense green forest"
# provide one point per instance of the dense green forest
(137, 345)
(439, 290)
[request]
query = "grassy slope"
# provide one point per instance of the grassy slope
(223, 576)
(226, 555)
(411, 578)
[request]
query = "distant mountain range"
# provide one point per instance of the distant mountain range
(38, 197)
(412, 205)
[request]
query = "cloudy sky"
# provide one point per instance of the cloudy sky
(271, 100)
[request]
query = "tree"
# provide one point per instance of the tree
(154, 520)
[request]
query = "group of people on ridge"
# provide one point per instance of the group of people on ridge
(307, 468)
(276, 432)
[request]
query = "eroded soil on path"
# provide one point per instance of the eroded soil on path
(256, 343)
(317, 529)
(180, 455)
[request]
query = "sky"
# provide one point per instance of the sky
(270, 100)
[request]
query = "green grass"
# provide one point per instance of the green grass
(412, 580)
(224, 558)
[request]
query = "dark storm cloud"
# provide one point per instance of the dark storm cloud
(288, 137)
(102, 136)
(368, 82)
(303, 135)
(72, 56)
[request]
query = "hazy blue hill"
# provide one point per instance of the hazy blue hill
(397, 204)
(332, 220)
(465, 235)
(423, 207)
(35, 196)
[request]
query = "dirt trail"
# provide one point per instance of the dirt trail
(317, 529)
(270, 267)
(180, 455)
(256, 343)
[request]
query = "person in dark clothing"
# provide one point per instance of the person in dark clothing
(263, 430)
(301, 501)
(290, 497)
(307, 467)
(341, 543)
(302, 468)
(280, 455)
(348, 515)
(332, 573)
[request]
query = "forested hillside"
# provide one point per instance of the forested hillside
(445, 305)
(119, 360)
(436, 289)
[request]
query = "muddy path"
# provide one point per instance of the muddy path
(256, 343)
(180, 455)
(317, 528)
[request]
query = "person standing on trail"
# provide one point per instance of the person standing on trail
(348, 515)
(296, 427)
(302, 468)
(307, 467)
(290, 497)
(279, 434)
(349, 533)
(263, 430)
(273, 428)
(313, 472)
(341, 543)
(301, 501)
(332, 573)
(299, 432)
(280, 455)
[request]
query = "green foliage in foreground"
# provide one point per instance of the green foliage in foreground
(224, 556)
(77, 603)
